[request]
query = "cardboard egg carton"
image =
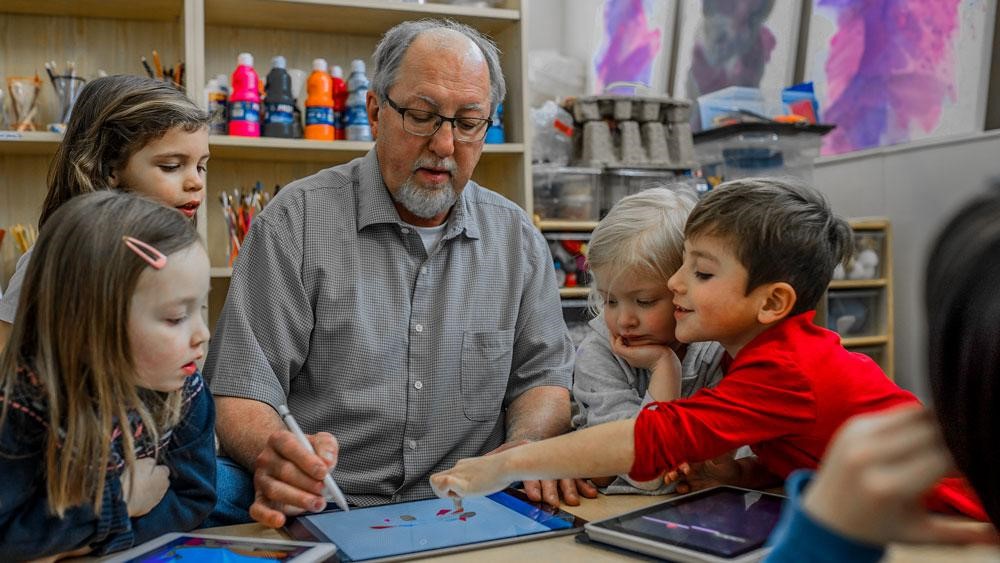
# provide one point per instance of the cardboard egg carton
(634, 131)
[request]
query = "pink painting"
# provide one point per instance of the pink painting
(892, 71)
(634, 45)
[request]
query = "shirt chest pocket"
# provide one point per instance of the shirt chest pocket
(486, 358)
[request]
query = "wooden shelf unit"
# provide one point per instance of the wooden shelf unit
(208, 35)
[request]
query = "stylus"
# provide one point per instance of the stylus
(330, 488)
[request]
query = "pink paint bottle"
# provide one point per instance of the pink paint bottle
(244, 99)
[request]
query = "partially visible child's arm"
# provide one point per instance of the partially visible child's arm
(745, 472)
(191, 457)
(605, 449)
(663, 364)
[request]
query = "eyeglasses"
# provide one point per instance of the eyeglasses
(426, 123)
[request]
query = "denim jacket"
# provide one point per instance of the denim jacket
(28, 529)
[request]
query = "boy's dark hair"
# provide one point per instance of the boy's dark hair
(781, 231)
(963, 322)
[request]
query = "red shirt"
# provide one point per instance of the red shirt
(785, 395)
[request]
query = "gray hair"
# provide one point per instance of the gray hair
(390, 51)
(642, 233)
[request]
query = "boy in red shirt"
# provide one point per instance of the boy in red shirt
(758, 256)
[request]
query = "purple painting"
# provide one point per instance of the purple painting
(632, 43)
(888, 70)
(733, 47)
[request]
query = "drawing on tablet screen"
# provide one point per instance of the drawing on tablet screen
(410, 521)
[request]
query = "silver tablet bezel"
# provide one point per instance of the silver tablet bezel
(317, 552)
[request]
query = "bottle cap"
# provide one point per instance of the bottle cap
(278, 62)
(245, 59)
(320, 65)
(357, 65)
(337, 72)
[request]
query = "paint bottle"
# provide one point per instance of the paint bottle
(358, 128)
(339, 102)
(495, 134)
(216, 93)
(279, 119)
(319, 104)
(244, 99)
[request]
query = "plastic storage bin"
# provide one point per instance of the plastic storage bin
(759, 149)
(577, 314)
(854, 313)
(620, 182)
(568, 193)
(866, 263)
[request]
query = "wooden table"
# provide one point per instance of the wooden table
(566, 548)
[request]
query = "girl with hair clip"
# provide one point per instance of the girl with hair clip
(106, 434)
(888, 461)
(129, 133)
(630, 356)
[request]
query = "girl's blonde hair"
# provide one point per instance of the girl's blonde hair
(643, 234)
(114, 117)
(72, 331)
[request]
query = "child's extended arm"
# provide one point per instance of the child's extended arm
(606, 449)
(191, 457)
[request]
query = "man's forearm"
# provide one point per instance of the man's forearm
(539, 413)
(239, 438)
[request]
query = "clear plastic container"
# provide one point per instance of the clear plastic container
(759, 149)
(853, 313)
(621, 182)
(568, 193)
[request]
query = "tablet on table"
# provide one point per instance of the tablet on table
(717, 525)
(426, 528)
(209, 548)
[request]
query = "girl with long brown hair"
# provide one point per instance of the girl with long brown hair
(106, 427)
(129, 133)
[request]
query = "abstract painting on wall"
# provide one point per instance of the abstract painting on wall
(736, 43)
(892, 71)
(634, 45)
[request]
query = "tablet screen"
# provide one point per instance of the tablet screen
(411, 527)
(726, 522)
(192, 549)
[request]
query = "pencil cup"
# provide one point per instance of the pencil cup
(24, 99)
(67, 90)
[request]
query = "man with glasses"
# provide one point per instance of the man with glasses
(392, 303)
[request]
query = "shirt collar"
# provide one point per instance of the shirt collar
(375, 205)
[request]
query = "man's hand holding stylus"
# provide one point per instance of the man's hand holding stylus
(288, 479)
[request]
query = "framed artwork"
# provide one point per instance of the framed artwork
(736, 43)
(631, 43)
(892, 71)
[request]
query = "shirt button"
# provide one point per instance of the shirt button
(423, 270)
(418, 384)
(412, 444)
(405, 231)
(419, 328)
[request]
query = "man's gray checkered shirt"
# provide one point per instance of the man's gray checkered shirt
(409, 360)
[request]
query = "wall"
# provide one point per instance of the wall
(917, 186)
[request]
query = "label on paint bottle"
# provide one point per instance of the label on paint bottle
(280, 113)
(319, 115)
(244, 111)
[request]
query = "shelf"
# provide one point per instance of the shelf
(573, 292)
(857, 284)
(221, 272)
(856, 341)
(356, 17)
(155, 10)
(306, 150)
(563, 225)
(869, 224)
(29, 142)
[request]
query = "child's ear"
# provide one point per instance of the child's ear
(779, 300)
(113, 180)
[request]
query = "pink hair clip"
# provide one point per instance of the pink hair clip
(154, 257)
